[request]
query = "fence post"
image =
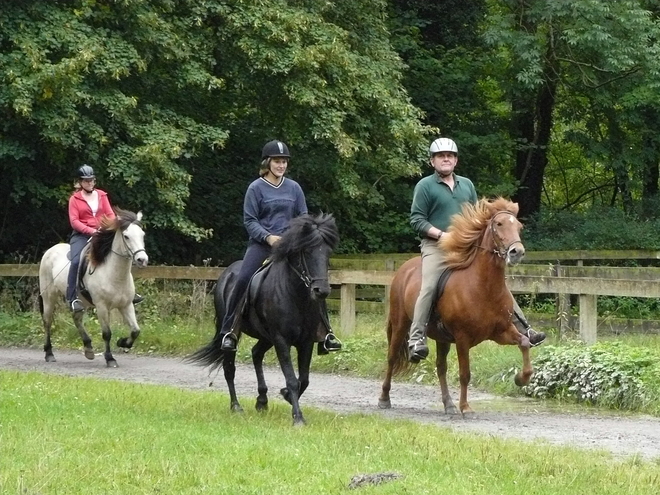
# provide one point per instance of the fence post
(563, 305)
(389, 265)
(347, 309)
(588, 318)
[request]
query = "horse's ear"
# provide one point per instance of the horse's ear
(139, 216)
(515, 208)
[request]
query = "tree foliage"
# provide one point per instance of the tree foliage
(155, 92)
(595, 53)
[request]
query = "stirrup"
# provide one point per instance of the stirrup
(137, 298)
(229, 343)
(331, 343)
(77, 306)
(417, 351)
(535, 338)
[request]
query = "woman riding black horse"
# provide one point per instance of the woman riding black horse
(271, 202)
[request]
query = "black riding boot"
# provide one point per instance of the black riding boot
(229, 342)
(330, 344)
(535, 338)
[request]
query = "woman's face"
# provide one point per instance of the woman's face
(88, 184)
(277, 166)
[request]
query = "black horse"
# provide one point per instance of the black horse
(283, 308)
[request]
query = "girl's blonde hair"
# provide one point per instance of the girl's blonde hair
(265, 166)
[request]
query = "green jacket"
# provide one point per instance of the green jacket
(434, 203)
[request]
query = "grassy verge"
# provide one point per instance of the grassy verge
(84, 436)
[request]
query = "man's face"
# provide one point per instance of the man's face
(444, 162)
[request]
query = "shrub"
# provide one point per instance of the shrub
(608, 374)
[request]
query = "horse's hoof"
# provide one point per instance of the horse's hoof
(89, 354)
(111, 363)
(521, 380)
(299, 422)
(452, 411)
(285, 393)
(469, 414)
(236, 408)
(260, 406)
(384, 404)
(50, 359)
(123, 342)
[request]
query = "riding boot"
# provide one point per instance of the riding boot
(417, 348)
(77, 306)
(229, 342)
(418, 351)
(330, 344)
(535, 338)
(523, 326)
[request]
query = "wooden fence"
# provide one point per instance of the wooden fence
(588, 282)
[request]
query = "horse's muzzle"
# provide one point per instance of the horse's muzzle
(141, 260)
(320, 291)
(515, 254)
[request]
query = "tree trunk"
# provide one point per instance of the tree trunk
(533, 126)
(616, 139)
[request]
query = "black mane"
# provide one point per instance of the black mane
(304, 232)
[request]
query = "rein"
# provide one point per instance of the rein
(303, 273)
(501, 250)
(131, 254)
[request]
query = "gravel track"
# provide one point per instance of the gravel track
(528, 420)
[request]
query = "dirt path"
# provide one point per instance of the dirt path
(512, 418)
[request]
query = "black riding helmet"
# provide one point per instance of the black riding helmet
(275, 148)
(86, 172)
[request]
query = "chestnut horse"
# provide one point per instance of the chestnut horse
(476, 304)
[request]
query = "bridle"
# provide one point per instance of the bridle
(303, 272)
(501, 249)
(131, 254)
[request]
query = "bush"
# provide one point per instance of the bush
(608, 374)
(597, 228)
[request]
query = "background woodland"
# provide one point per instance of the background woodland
(554, 103)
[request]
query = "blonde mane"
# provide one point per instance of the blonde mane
(467, 229)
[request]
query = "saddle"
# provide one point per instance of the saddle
(250, 294)
(435, 322)
(253, 288)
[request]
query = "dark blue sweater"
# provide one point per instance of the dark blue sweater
(268, 209)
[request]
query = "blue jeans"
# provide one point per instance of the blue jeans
(77, 242)
(254, 257)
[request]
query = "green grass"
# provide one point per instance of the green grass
(84, 436)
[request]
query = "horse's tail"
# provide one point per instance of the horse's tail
(41, 305)
(210, 355)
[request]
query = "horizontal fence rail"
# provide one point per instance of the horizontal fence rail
(587, 282)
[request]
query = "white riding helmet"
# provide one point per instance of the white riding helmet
(443, 144)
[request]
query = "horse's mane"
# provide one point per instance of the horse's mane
(468, 227)
(101, 243)
(304, 232)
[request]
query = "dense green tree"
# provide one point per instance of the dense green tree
(451, 77)
(568, 50)
(169, 97)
